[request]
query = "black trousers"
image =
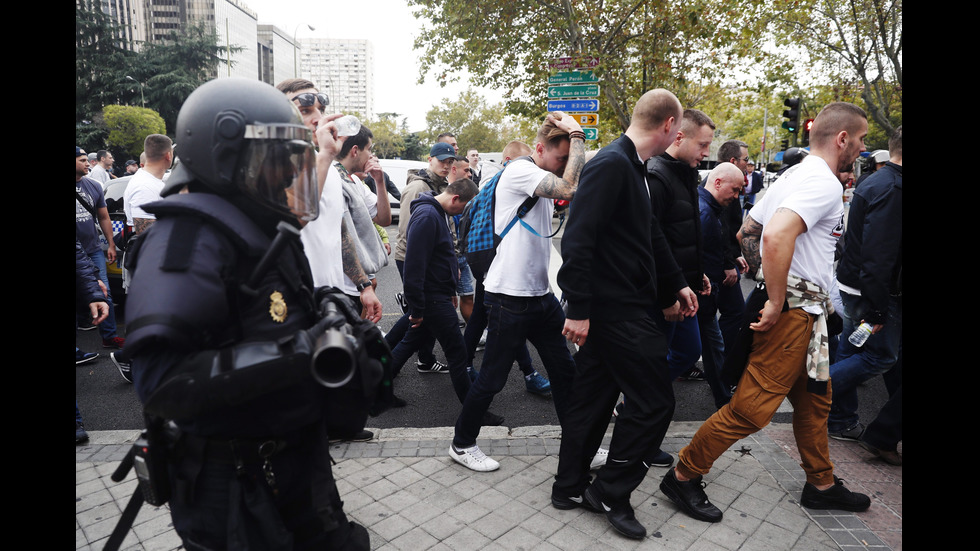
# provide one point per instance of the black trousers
(628, 357)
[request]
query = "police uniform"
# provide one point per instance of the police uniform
(223, 351)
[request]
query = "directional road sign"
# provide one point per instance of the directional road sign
(573, 77)
(574, 105)
(591, 132)
(586, 119)
(574, 62)
(575, 91)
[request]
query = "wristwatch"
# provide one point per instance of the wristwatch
(362, 286)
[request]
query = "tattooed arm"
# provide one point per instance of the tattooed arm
(564, 187)
(371, 306)
(749, 237)
(140, 225)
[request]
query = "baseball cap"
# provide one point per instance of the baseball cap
(130, 162)
(880, 156)
(442, 151)
(93, 156)
(79, 151)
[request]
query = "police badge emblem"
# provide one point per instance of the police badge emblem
(277, 307)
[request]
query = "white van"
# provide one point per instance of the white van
(397, 170)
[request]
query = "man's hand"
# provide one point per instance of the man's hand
(731, 277)
(105, 292)
(415, 322)
(674, 313)
(688, 301)
(99, 311)
(326, 135)
(564, 122)
(373, 169)
(767, 317)
(576, 331)
(743, 266)
(370, 305)
(705, 285)
(110, 252)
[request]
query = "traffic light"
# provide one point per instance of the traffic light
(792, 114)
(784, 144)
(807, 124)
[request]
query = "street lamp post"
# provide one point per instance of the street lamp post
(295, 64)
(142, 98)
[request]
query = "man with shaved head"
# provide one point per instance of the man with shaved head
(791, 235)
(616, 270)
(721, 189)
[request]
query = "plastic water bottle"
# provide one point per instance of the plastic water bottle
(860, 335)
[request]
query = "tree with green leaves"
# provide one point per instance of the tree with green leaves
(861, 40)
(681, 45)
(129, 126)
(99, 55)
(475, 123)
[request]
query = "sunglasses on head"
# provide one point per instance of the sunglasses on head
(307, 99)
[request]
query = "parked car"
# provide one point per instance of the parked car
(398, 170)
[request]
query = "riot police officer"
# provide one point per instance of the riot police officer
(223, 326)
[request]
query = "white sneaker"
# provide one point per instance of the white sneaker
(600, 458)
(473, 459)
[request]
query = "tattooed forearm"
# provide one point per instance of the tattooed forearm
(348, 251)
(140, 225)
(564, 188)
(750, 238)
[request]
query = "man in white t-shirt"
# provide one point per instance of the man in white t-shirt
(791, 234)
(147, 182)
(100, 171)
(329, 245)
(520, 304)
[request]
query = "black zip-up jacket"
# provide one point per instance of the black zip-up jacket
(674, 185)
(872, 258)
(616, 261)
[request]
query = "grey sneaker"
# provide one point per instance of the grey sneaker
(123, 367)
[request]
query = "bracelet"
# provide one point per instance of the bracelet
(576, 134)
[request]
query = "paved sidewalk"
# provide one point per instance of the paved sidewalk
(404, 488)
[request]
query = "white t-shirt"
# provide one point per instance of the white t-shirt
(814, 193)
(520, 267)
(99, 174)
(321, 237)
(142, 188)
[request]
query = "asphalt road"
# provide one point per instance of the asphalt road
(107, 402)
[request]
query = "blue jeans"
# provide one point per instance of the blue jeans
(108, 327)
(712, 345)
(683, 342)
(439, 322)
(474, 331)
(856, 365)
(512, 321)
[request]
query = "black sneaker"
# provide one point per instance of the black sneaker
(853, 434)
(123, 367)
(690, 497)
(565, 503)
(435, 367)
(491, 419)
(80, 435)
(621, 517)
(694, 374)
(835, 497)
(402, 303)
(363, 436)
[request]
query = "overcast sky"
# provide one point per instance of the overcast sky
(391, 28)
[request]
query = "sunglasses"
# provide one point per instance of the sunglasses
(307, 99)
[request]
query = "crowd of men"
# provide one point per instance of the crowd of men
(651, 258)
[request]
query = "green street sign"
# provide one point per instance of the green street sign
(581, 91)
(573, 77)
(591, 132)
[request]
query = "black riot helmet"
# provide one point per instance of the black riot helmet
(793, 156)
(243, 139)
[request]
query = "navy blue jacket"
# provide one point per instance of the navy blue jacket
(872, 258)
(714, 237)
(431, 270)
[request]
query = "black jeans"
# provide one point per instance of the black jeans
(620, 356)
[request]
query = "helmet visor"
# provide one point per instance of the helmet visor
(279, 170)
